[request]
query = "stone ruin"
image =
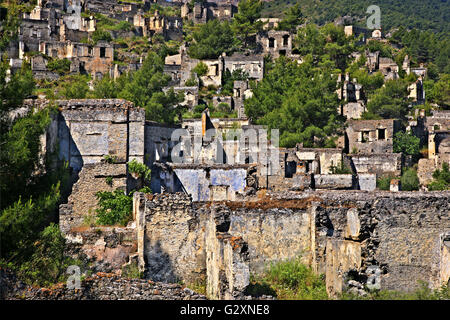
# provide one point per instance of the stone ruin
(222, 224)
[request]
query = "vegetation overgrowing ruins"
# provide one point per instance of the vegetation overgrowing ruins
(92, 93)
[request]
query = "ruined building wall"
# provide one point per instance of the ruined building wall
(383, 240)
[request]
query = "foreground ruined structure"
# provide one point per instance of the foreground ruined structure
(220, 223)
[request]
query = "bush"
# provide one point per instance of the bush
(48, 263)
(291, 279)
(441, 179)
(60, 66)
(406, 143)
(131, 271)
(384, 183)
(75, 87)
(341, 169)
(409, 180)
(113, 207)
(99, 35)
(201, 69)
(139, 169)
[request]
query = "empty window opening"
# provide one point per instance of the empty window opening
(365, 136)
(290, 169)
(102, 52)
(271, 43)
(285, 40)
(381, 134)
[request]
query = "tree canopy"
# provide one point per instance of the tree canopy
(212, 39)
(300, 100)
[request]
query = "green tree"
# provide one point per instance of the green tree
(293, 17)
(144, 88)
(29, 187)
(61, 66)
(114, 207)
(299, 100)
(441, 179)
(212, 39)
(328, 45)
(201, 69)
(106, 88)
(75, 88)
(409, 180)
(439, 92)
(390, 101)
(245, 22)
(230, 77)
(101, 35)
(406, 143)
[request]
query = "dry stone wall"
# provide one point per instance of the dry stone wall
(101, 286)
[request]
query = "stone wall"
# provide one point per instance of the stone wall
(101, 286)
(380, 164)
(171, 237)
(383, 240)
(82, 202)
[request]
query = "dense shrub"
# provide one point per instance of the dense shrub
(101, 35)
(290, 279)
(384, 183)
(139, 169)
(406, 143)
(409, 180)
(60, 66)
(441, 179)
(113, 207)
(48, 263)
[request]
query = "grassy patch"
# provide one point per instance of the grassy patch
(131, 271)
(199, 287)
(289, 280)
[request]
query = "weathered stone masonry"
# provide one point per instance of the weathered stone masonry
(383, 240)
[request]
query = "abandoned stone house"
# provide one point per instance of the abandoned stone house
(190, 95)
(241, 91)
(437, 131)
(252, 65)
(417, 92)
(95, 60)
(275, 43)
(353, 96)
(372, 60)
(355, 31)
(202, 12)
(270, 23)
(388, 68)
(171, 28)
(370, 146)
(371, 136)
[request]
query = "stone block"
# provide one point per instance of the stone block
(367, 181)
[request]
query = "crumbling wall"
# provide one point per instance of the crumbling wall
(380, 164)
(381, 240)
(227, 269)
(101, 286)
(82, 202)
(173, 237)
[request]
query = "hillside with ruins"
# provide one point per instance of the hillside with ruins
(224, 150)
